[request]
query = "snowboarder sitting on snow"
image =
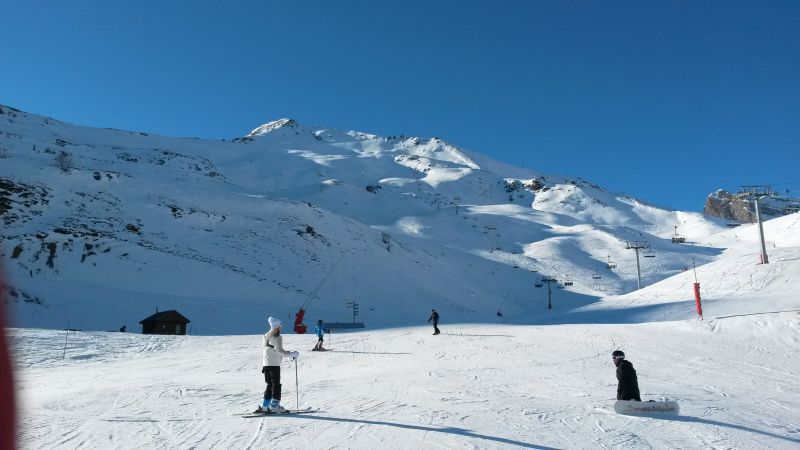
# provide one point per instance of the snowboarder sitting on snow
(273, 353)
(628, 387)
(435, 318)
(320, 331)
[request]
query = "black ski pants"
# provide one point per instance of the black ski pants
(435, 327)
(272, 376)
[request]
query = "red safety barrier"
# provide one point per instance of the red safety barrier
(299, 326)
(697, 300)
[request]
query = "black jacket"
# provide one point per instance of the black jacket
(628, 387)
(434, 317)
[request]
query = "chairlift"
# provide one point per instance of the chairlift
(609, 264)
(596, 276)
(649, 253)
(677, 238)
(538, 284)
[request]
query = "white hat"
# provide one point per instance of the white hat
(274, 322)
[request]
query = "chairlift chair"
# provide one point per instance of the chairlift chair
(677, 238)
(649, 253)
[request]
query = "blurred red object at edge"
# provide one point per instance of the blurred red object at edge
(7, 404)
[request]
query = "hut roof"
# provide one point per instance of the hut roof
(170, 316)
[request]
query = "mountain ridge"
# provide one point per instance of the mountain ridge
(249, 225)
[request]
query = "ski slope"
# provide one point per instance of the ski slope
(487, 386)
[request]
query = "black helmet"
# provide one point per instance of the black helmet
(617, 354)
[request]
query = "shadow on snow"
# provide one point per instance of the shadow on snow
(449, 430)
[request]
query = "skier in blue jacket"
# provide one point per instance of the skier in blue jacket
(320, 331)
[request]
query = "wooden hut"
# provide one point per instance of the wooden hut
(165, 322)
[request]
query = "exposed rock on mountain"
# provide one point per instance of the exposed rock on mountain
(740, 207)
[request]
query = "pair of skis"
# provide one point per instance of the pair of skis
(262, 413)
(630, 407)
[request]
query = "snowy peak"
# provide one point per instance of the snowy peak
(272, 126)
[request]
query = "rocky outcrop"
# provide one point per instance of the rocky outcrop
(739, 207)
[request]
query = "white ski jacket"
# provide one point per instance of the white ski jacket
(273, 351)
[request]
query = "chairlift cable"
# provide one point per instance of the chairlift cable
(504, 300)
(316, 289)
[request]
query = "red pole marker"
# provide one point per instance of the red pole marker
(697, 299)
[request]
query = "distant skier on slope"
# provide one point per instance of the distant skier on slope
(273, 353)
(320, 331)
(628, 387)
(435, 318)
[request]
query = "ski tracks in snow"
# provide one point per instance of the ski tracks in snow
(480, 386)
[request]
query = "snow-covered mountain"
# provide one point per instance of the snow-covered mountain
(102, 226)
(229, 232)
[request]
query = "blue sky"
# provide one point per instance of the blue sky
(666, 101)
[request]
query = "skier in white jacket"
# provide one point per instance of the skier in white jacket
(273, 353)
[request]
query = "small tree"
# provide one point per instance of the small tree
(64, 161)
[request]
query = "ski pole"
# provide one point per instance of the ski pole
(296, 385)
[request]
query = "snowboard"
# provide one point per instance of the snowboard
(649, 407)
